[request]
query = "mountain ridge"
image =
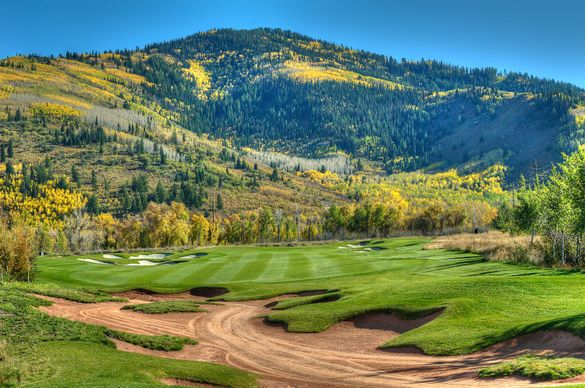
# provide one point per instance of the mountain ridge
(337, 65)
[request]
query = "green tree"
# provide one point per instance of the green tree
(10, 150)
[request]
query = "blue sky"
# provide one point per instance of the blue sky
(544, 38)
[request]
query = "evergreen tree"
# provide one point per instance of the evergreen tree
(92, 206)
(74, 174)
(9, 169)
(160, 193)
(10, 150)
(94, 182)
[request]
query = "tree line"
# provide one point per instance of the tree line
(552, 212)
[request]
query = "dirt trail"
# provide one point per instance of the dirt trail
(344, 355)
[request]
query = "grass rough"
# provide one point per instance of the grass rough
(171, 306)
(167, 343)
(541, 368)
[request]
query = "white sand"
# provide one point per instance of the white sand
(94, 261)
(151, 256)
(142, 263)
(108, 256)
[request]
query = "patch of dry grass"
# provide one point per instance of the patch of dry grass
(493, 245)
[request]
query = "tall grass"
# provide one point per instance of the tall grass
(493, 245)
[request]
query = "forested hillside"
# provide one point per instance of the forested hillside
(272, 89)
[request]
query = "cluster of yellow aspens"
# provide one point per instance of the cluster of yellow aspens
(324, 71)
(53, 111)
(197, 73)
(325, 178)
(47, 208)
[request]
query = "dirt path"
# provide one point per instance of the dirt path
(344, 355)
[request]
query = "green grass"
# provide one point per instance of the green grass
(171, 306)
(483, 302)
(74, 294)
(44, 351)
(153, 342)
(542, 368)
(77, 364)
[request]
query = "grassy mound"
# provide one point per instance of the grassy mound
(152, 342)
(542, 368)
(171, 306)
(73, 294)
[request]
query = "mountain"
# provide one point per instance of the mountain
(227, 120)
(277, 90)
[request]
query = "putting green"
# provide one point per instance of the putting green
(483, 302)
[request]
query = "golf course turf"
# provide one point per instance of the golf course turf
(39, 350)
(482, 302)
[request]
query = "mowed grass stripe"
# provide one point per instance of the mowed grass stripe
(206, 273)
(275, 267)
(227, 272)
(255, 265)
(345, 263)
(181, 273)
(299, 266)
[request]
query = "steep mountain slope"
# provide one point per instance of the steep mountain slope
(277, 90)
(94, 125)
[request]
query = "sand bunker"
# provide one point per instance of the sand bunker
(95, 261)
(151, 256)
(110, 256)
(345, 355)
(389, 321)
(140, 263)
(195, 255)
(208, 292)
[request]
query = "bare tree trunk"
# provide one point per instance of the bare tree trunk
(563, 248)
(554, 240)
